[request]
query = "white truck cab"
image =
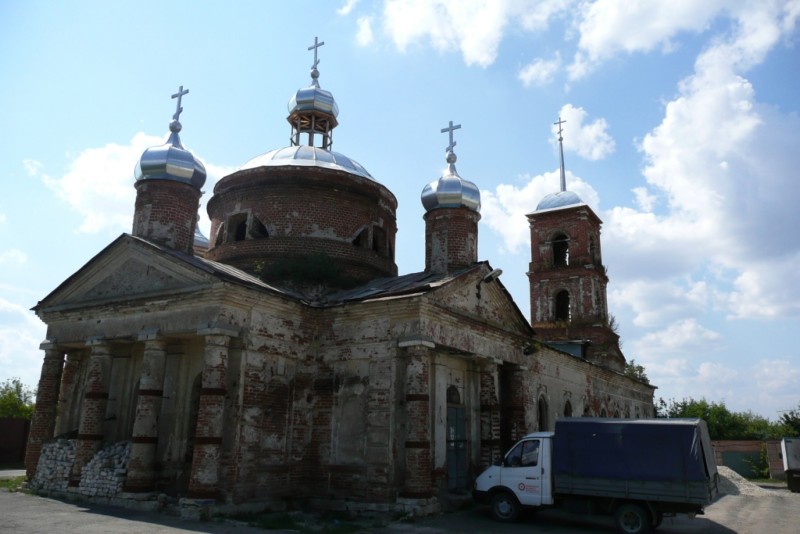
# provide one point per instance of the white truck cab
(521, 478)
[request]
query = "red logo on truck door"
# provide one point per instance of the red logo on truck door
(528, 488)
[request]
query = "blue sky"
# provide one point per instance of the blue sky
(682, 133)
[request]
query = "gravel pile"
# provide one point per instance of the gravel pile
(732, 483)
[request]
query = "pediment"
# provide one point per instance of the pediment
(128, 268)
(487, 302)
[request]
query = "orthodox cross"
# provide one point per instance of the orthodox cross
(449, 130)
(559, 123)
(179, 109)
(314, 47)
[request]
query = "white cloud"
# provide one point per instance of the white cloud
(679, 339)
(99, 184)
(539, 72)
(473, 27)
(504, 209)
(13, 255)
(609, 27)
(20, 335)
(347, 7)
(591, 140)
(364, 35)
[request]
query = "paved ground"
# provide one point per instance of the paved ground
(778, 513)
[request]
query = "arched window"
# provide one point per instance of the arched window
(543, 422)
(560, 250)
(593, 248)
(563, 312)
(603, 413)
(568, 409)
(453, 396)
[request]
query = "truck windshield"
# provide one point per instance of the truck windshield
(525, 454)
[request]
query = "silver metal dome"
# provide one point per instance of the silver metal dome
(308, 156)
(171, 161)
(313, 98)
(451, 191)
(200, 240)
(558, 200)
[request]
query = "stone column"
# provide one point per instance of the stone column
(93, 411)
(44, 416)
(144, 439)
(419, 462)
(204, 480)
(490, 415)
(66, 396)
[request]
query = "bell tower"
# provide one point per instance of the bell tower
(567, 278)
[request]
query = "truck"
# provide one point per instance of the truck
(637, 470)
(790, 453)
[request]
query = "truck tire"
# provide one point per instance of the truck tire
(505, 507)
(633, 519)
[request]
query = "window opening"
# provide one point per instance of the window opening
(543, 422)
(257, 229)
(362, 239)
(560, 250)
(563, 310)
(568, 409)
(379, 243)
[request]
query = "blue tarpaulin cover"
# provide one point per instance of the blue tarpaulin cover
(640, 449)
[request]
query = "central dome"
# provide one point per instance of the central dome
(308, 156)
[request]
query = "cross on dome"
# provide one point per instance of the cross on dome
(179, 96)
(314, 47)
(449, 130)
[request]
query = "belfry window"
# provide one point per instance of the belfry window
(379, 243)
(560, 250)
(362, 239)
(563, 311)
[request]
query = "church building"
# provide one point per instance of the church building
(284, 359)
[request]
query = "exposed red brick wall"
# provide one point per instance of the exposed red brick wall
(305, 210)
(166, 213)
(44, 416)
(451, 239)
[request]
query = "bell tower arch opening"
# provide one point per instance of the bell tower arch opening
(560, 250)
(563, 310)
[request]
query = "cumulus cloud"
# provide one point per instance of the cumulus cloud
(721, 162)
(608, 27)
(20, 335)
(539, 72)
(590, 140)
(364, 35)
(347, 7)
(99, 184)
(504, 209)
(472, 27)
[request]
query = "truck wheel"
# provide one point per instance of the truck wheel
(632, 519)
(505, 507)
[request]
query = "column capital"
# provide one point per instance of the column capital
(217, 329)
(96, 341)
(48, 344)
(149, 334)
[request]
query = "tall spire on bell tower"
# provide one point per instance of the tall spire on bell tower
(561, 150)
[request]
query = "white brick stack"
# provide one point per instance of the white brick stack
(55, 462)
(105, 473)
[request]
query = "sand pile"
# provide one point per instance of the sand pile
(732, 483)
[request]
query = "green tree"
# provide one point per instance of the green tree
(791, 422)
(16, 399)
(722, 423)
(637, 372)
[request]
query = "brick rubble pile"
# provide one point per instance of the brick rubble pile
(55, 462)
(105, 473)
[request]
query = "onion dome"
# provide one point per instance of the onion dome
(561, 199)
(451, 191)
(171, 161)
(200, 241)
(313, 98)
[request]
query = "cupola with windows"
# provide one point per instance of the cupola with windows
(305, 217)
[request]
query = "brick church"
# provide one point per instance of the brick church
(284, 358)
